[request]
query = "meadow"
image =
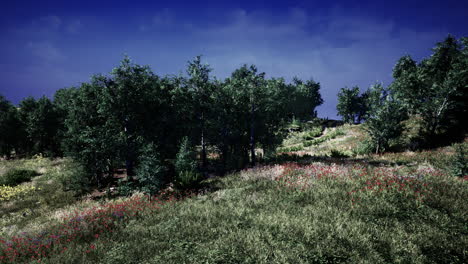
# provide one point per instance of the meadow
(303, 207)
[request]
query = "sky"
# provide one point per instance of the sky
(48, 45)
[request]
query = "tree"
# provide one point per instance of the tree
(91, 138)
(63, 98)
(40, 123)
(249, 92)
(434, 89)
(201, 90)
(112, 118)
(384, 122)
(9, 124)
(306, 98)
(348, 104)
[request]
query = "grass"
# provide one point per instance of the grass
(290, 213)
(46, 198)
(391, 208)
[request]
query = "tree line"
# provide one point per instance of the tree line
(148, 124)
(433, 93)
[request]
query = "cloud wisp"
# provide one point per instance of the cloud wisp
(335, 47)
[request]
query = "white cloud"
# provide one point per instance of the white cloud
(336, 49)
(45, 51)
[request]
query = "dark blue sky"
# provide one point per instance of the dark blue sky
(47, 45)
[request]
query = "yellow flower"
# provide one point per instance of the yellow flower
(9, 192)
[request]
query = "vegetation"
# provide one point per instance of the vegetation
(281, 213)
(140, 168)
(16, 176)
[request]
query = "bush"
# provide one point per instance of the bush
(338, 154)
(150, 171)
(459, 166)
(150, 174)
(315, 132)
(74, 179)
(295, 125)
(17, 176)
(8, 192)
(364, 148)
(187, 180)
(291, 149)
(185, 167)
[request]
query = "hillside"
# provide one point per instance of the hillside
(324, 208)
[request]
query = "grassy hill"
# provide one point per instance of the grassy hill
(330, 206)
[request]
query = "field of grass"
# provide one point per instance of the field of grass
(391, 208)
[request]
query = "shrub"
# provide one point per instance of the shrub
(185, 167)
(459, 166)
(8, 192)
(17, 176)
(292, 149)
(295, 125)
(315, 132)
(364, 148)
(337, 154)
(187, 180)
(74, 178)
(150, 171)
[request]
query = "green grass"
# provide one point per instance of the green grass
(290, 213)
(46, 204)
(252, 218)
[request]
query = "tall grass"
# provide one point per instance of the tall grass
(316, 213)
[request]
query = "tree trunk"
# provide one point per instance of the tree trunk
(203, 144)
(252, 134)
(224, 151)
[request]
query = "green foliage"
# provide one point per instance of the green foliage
(262, 222)
(17, 176)
(364, 148)
(185, 158)
(150, 172)
(188, 180)
(313, 133)
(435, 89)
(330, 135)
(295, 125)
(40, 123)
(74, 178)
(459, 166)
(201, 90)
(187, 176)
(334, 153)
(385, 119)
(9, 126)
(111, 118)
(292, 149)
(305, 99)
(348, 104)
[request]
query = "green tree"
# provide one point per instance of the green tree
(41, 124)
(90, 136)
(435, 89)
(384, 121)
(348, 104)
(63, 99)
(112, 118)
(249, 92)
(201, 89)
(9, 125)
(306, 98)
(150, 172)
